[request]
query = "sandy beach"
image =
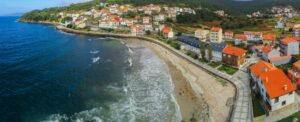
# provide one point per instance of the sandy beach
(201, 97)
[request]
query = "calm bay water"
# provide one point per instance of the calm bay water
(48, 75)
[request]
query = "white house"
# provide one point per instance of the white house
(274, 87)
(201, 34)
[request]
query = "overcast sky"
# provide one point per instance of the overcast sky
(22, 6)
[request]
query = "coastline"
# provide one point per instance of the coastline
(200, 84)
(39, 22)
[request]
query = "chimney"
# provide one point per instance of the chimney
(285, 87)
(265, 69)
(267, 79)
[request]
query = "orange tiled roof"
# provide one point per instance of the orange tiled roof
(228, 33)
(214, 29)
(271, 37)
(266, 49)
(166, 30)
(261, 67)
(231, 50)
(279, 58)
(290, 39)
(240, 36)
(297, 64)
(276, 83)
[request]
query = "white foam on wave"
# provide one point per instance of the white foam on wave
(66, 33)
(130, 62)
(94, 52)
(84, 116)
(96, 59)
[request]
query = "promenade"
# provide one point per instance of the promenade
(241, 107)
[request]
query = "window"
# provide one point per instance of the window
(262, 90)
(276, 100)
(283, 103)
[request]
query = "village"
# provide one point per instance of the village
(270, 62)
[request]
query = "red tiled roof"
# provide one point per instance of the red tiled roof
(166, 30)
(214, 29)
(297, 64)
(296, 29)
(271, 37)
(261, 67)
(240, 36)
(266, 49)
(228, 33)
(234, 51)
(290, 39)
(276, 83)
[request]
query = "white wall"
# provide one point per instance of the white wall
(288, 98)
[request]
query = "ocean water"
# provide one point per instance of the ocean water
(48, 75)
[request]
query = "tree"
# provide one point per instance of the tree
(202, 51)
(210, 53)
(148, 32)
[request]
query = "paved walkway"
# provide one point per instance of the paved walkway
(242, 108)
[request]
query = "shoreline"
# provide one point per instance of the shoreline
(39, 22)
(218, 111)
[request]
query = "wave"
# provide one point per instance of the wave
(95, 59)
(84, 116)
(94, 52)
(130, 62)
(66, 33)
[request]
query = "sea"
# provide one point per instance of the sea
(48, 75)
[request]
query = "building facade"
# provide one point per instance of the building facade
(216, 35)
(234, 56)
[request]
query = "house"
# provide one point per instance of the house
(253, 36)
(216, 35)
(228, 35)
(269, 38)
(234, 56)
(137, 30)
(296, 32)
(193, 44)
(280, 60)
(190, 43)
(268, 52)
(146, 19)
(240, 38)
(201, 34)
(294, 73)
(256, 70)
(217, 49)
(148, 27)
(273, 86)
(289, 46)
(168, 32)
(160, 18)
(113, 24)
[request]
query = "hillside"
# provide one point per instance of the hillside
(233, 7)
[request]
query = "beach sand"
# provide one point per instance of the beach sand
(201, 96)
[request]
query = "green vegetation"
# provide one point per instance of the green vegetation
(192, 54)
(227, 69)
(285, 67)
(257, 108)
(214, 64)
(202, 51)
(291, 118)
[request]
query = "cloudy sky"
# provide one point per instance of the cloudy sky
(21, 6)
